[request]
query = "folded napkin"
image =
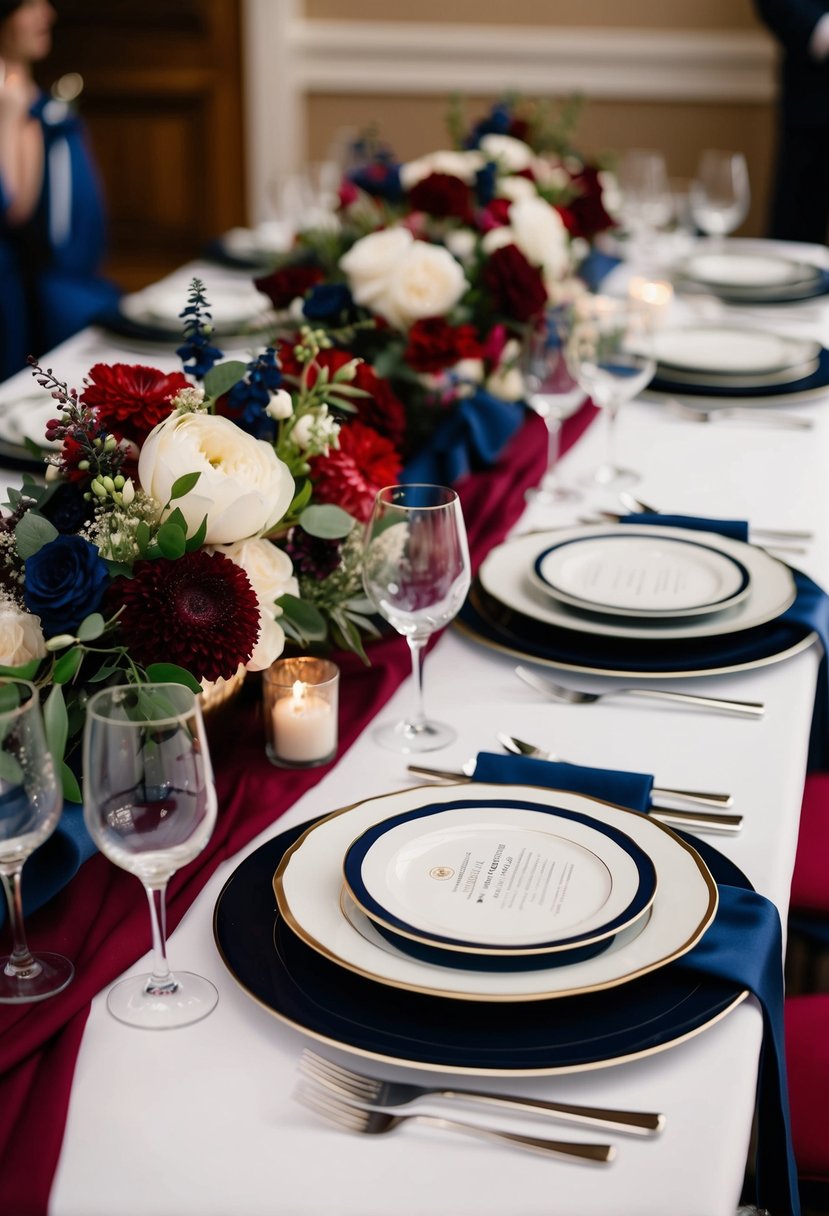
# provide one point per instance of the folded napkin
(809, 610)
(744, 945)
(50, 867)
(471, 437)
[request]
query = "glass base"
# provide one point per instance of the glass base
(51, 974)
(192, 999)
(611, 477)
(552, 495)
(415, 736)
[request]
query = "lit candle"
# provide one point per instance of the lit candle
(304, 728)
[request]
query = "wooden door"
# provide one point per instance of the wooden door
(162, 99)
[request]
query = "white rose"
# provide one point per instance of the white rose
(21, 638)
(497, 238)
(461, 244)
(269, 644)
(512, 154)
(280, 405)
(457, 164)
(244, 488)
(270, 571)
(540, 235)
(371, 261)
(515, 188)
(428, 282)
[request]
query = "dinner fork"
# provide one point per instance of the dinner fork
(575, 696)
(739, 413)
(373, 1092)
(335, 1110)
(636, 506)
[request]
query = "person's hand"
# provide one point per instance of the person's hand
(14, 94)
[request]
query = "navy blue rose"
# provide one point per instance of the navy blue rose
(485, 180)
(380, 178)
(65, 581)
(67, 508)
(329, 302)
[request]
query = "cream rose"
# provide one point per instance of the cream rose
(270, 571)
(427, 282)
(540, 234)
(514, 188)
(21, 638)
(371, 261)
(457, 164)
(269, 644)
(513, 155)
(244, 489)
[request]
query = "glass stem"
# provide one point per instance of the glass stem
(21, 964)
(416, 646)
(553, 423)
(612, 411)
(161, 982)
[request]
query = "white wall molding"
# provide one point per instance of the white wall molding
(289, 57)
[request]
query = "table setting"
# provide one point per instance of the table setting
(580, 959)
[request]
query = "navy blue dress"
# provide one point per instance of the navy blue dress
(49, 281)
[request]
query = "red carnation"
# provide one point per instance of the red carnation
(381, 409)
(351, 475)
(434, 345)
(444, 196)
(199, 611)
(516, 288)
(285, 285)
(587, 207)
(130, 399)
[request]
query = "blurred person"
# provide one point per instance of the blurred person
(800, 203)
(51, 207)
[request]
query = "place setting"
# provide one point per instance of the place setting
(154, 314)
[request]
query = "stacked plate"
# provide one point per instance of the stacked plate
(154, 314)
(724, 357)
(630, 601)
(23, 427)
(471, 930)
(747, 277)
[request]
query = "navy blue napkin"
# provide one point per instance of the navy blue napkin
(596, 267)
(809, 610)
(56, 862)
(744, 945)
(472, 436)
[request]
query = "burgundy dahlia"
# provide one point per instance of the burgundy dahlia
(131, 399)
(516, 288)
(199, 611)
(434, 345)
(443, 196)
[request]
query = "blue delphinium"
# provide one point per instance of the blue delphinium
(197, 330)
(249, 397)
(330, 302)
(497, 122)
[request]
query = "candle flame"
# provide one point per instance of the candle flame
(300, 691)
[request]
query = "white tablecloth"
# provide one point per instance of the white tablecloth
(202, 1121)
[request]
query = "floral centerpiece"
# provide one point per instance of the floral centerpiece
(188, 522)
(434, 269)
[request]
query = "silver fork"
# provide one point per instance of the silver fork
(574, 696)
(374, 1092)
(740, 413)
(335, 1110)
(636, 505)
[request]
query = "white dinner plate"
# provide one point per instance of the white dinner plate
(232, 306)
(502, 882)
(749, 272)
(628, 575)
(267, 239)
(308, 885)
(731, 351)
(26, 418)
(505, 576)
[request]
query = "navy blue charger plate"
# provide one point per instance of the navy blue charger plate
(331, 1004)
(818, 379)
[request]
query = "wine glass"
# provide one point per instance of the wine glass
(647, 202)
(609, 351)
(416, 573)
(720, 193)
(30, 807)
(150, 806)
(550, 389)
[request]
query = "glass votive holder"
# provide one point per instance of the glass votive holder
(300, 709)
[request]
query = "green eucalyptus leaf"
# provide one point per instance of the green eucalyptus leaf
(172, 541)
(327, 521)
(183, 485)
(301, 498)
(26, 671)
(91, 627)
(221, 378)
(71, 789)
(119, 569)
(197, 539)
(32, 533)
(56, 722)
(305, 618)
(142, 535)
(171, 673)
(67, 665)
(10, 697)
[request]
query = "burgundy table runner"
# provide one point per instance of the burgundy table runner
(100, 919)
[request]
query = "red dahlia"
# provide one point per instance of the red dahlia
(285, 285)
(516, 288)
(351, 475)
(131, 399)
(199, 611)
(443, 196)
(433, 345)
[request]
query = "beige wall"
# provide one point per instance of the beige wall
(413, 121)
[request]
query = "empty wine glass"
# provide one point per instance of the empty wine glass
(416, 572)
(609, 351)
(720, 193)
(646, 199)
(150, 806)
(550, 388)
(30, 807)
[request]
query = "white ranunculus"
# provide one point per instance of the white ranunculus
(428, 282)
(244, 488)
(513, 155)
(21, 638)
(541, 236)
(457, 164)
(269, 569)
(269, 644)
(371, 261)
(514, 188)
(280, 405)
